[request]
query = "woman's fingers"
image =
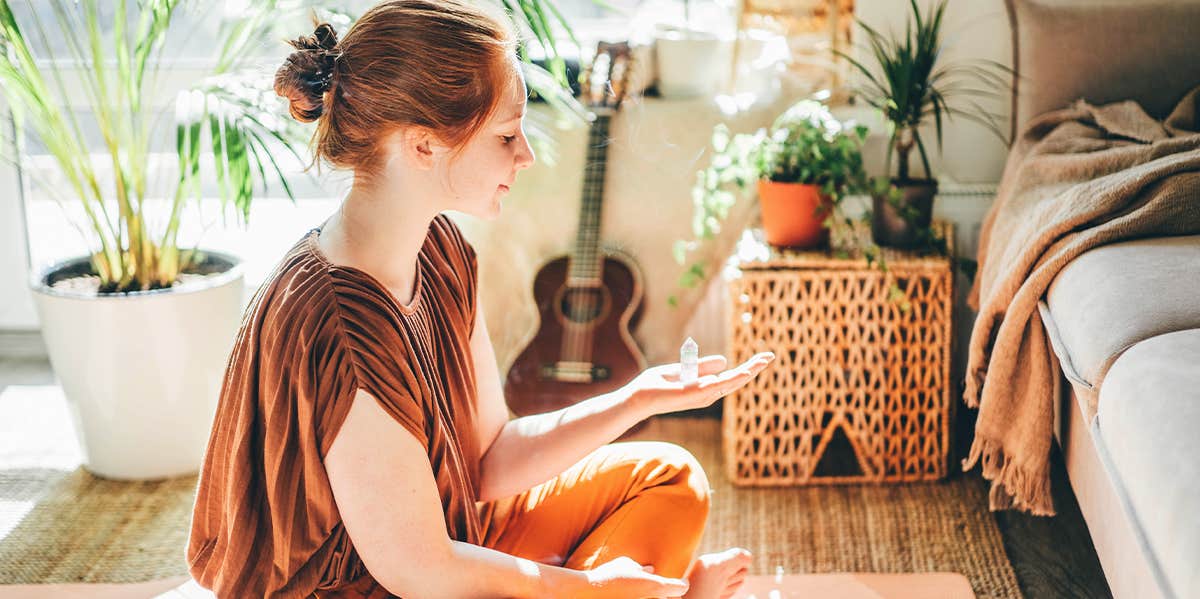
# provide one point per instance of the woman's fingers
(711, 365)
(733, 378)
(670, 587)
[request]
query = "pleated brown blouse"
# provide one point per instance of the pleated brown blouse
(265, 523)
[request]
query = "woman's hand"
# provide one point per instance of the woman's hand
(659, 390)
(623, 577)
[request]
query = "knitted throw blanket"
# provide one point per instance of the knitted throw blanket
(1077, 178)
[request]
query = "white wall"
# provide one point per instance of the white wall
(974, 30)
(16, 303)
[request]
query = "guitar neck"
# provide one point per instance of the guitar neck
(585, 260)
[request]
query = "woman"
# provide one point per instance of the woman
(362, 446)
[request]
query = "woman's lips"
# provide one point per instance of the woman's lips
(504, 188)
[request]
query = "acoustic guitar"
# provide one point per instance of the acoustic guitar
(590, 299)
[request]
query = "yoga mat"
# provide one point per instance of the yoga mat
(926, 585)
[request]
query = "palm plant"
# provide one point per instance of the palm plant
(911, 86)
(234, 109)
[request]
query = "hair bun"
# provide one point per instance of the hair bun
(325, 36)
(308, 72)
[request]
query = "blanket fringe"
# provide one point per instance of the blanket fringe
(1013, 487)
(973, 387)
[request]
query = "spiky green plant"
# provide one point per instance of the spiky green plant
(233, 109)
(910, 85)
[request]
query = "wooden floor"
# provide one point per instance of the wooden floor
(1052, 557)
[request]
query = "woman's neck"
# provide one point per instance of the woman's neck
(381, 233)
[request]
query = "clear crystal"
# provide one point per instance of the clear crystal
(689, 357)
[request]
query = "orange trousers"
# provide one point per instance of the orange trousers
(647, 500)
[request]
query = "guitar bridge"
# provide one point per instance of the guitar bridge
(574, 372)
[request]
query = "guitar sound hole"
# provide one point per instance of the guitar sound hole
(582, 305)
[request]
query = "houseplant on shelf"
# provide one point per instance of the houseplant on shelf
(911, 87)
(138, 330)
(801, 168)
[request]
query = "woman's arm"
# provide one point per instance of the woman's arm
(523, 452)
(388, 500)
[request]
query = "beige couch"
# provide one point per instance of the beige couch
(1124, 319)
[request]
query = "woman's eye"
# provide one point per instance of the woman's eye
(508, 138)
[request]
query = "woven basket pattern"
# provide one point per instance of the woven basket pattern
(851, 355)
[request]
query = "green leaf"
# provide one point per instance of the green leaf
(679, 250)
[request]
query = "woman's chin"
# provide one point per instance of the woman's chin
(486, 210)
(490, 211)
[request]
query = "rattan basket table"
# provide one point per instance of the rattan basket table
(851, 356)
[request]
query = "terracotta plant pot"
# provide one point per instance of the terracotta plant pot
(793, 213)
(889, 228)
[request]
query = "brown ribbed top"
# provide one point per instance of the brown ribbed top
(265, 523)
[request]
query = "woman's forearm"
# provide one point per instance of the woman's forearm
(533, 449)
(478, 571)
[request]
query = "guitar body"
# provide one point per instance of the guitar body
(602, 315)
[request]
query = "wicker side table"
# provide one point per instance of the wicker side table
(850, 355)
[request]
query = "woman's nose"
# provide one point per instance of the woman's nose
(525, 157)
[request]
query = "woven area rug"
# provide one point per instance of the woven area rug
(916, 527)
(59, 524)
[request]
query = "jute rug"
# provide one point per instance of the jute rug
(60, 524)
(920, 527)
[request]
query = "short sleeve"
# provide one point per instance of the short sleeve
(368, 355)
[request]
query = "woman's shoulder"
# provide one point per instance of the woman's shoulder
(297, 289)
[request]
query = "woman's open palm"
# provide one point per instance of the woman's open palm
(660, 389)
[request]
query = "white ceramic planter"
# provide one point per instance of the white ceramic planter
(142, 371)
(689, 63)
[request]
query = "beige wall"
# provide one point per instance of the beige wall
(974, 30)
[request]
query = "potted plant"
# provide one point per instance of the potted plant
(801, 167)
(138, 331)
(685, 57)
(910, 87)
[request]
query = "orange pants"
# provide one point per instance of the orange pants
(647, 500)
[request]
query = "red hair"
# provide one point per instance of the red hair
(436, 64)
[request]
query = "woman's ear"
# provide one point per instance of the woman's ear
(419, 147)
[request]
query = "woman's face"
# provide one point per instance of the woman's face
(480, 176)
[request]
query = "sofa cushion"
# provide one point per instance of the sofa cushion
(1114, 296)
(1149, 415)
(1103, 52)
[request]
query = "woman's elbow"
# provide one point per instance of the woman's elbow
(427, 573)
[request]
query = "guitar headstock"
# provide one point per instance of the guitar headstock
(605, 81)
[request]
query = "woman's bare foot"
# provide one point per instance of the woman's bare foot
(718, 575)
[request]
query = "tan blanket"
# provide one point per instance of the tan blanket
(1076, 179)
